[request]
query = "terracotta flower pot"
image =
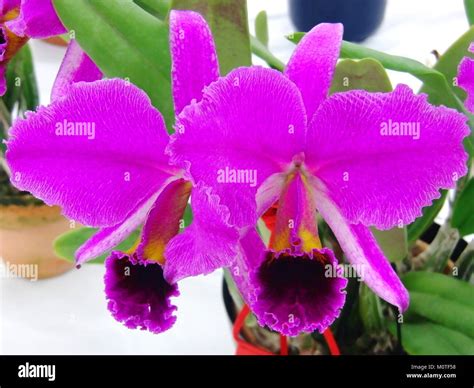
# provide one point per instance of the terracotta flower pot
(27, 233)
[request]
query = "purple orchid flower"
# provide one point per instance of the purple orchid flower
(260, 138)
(465, 79)
(98, 151)
(21, 20)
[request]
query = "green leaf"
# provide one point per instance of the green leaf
(440, 285)
(428, 338)
(261, 28)
(229, 25)
(440, 319)
(463, 212)
(421, 224)
(367, 74)
(22, 87)
(157, 8)
(469, 8)
(66, 244)
(448, 64)
(370, 310)
(124, 41)
(22, 90)
(444, 311)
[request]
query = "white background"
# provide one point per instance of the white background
(68, 314)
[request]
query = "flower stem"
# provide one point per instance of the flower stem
(259, 49)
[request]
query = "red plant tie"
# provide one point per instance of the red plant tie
(332, 344)
(246, 349)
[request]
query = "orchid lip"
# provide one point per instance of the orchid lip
(294, 293)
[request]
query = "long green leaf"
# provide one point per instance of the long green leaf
(440, 285)
(124, 41)
(427, 338)
(157, 8)
(469, 8)
(443, 311)
(370, 310)
(229, 25)
(261, 28)
(66, 245)
(463, 212)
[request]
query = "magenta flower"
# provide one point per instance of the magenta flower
(466, 79)
(99, 152)
(260, 138)
(21, 20)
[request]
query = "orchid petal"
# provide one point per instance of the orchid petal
(100, 175)
(163, 222)
(378, 176)
(248, 126)
(362, 251)
(193, 55)
(76, 66)
(137, 294)
(312, 65)
(108, 238)
(37, 19)
(465, 79)
(207, 244)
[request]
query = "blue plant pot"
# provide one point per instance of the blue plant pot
(360, 17)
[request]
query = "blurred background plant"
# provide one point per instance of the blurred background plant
(435, 261)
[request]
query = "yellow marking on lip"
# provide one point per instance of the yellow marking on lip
(168, 226)
(309, 240)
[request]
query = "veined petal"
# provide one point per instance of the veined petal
(289, 293)
(108, 238)
(207, 244)
(311, 67)
(75, 67)
(248, 126)
(383, 156)
(163, 222)
(98, 152)
(466, 79)
(37, 19)
(137, 294)
(194, 57)
(363, 253)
